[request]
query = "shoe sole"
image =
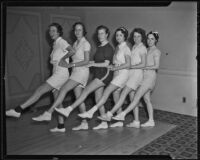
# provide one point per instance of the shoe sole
(40, 120)
(103, 119)
(79, 129)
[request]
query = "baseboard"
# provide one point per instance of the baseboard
(192, 111)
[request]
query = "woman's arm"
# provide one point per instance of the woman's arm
(156, 59)
(70, 53)
(81, 63)
(142, 64)
(126, 65)
(104, 64)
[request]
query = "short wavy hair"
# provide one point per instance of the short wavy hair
(124, 32)
(83, 26)
(155, 34)
(58, 26)
(142, 32)
(103, 27)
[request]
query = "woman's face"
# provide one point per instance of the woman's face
(102, 35)
(78, 31)
(120, 37)
(151, 41)
(53, 33)
(137, 37)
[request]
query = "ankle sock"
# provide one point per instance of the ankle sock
(18, 109)
(61, 125)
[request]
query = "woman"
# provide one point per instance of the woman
(122, 61)
(61, 51)
(138, 60)
(78, 78)
(102, 76)
(149, 80)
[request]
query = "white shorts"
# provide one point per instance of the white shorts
(59, 77)
(80, 75)
(149, 79)
(120, 78)
(135, 78)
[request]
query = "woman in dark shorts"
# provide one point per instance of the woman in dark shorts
(102, 76)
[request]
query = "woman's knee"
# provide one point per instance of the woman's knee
(147, 99)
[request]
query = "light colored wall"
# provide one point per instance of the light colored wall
(177, 26)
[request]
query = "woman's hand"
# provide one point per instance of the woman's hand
(63, 63)
(111, 67)
(90, 64)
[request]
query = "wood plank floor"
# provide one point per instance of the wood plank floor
(25, 137)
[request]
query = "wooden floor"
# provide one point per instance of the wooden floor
(26, 137)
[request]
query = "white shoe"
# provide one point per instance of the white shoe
(119, 117)
(82, 126)
(46, 116)
(102, 125)
(13, 113)
(64, 111)
(149, 123)
(135, 124)
(57, 129)
(106, 117)
(117, 124)
(85, 115)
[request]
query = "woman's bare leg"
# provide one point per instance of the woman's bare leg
(44, 88)
(138, 95)
(98, 95)
(92, 86)
(84, 125)
(102, 101)
(68, 86)
(136, 121)
(147, 100)
(120, 100)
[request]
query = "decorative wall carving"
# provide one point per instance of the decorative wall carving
(24, 62)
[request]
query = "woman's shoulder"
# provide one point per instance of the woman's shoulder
(109, 46)
(86, 41)
(157, 51)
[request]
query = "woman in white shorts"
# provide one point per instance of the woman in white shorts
(122, 61)
(138, 59)
(149, 80)
(78, 78)
(61, 51)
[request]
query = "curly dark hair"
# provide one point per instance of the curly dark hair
(124, 32)
(58, 26)
(155, 34)
(83, 26)
(142, 32)
(103, 27)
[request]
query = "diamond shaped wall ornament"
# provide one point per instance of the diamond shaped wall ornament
(23, 54)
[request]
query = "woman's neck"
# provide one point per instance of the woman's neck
(56, 38)
(137, 44)
(79, 38)
(152, 48)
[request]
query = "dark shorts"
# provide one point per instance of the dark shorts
(104, 75)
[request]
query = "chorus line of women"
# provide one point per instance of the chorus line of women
(121, 72)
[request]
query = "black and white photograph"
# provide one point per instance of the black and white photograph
(100, 80)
